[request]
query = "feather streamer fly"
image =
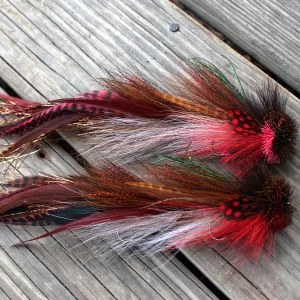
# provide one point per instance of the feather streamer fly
(133, 120)
(184, 204)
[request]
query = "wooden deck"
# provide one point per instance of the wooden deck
(57, 50)
(267, 30)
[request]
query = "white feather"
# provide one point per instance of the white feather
(136, 139)
(150, 234)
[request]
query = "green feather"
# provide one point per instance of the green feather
(198, 167)
(208, 66)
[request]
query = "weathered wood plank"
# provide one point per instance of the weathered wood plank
(3, 295)
(34, 281)
(63, 47)
(267, 30)
(10, 289)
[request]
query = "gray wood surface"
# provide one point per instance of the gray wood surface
(58, 50)
(269, 31)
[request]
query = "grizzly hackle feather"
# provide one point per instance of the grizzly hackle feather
(184, 203)
(133, 120)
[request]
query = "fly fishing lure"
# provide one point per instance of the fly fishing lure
(133, 120)
(184, 204)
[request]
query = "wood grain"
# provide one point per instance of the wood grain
(266, 30)
(60, 49)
